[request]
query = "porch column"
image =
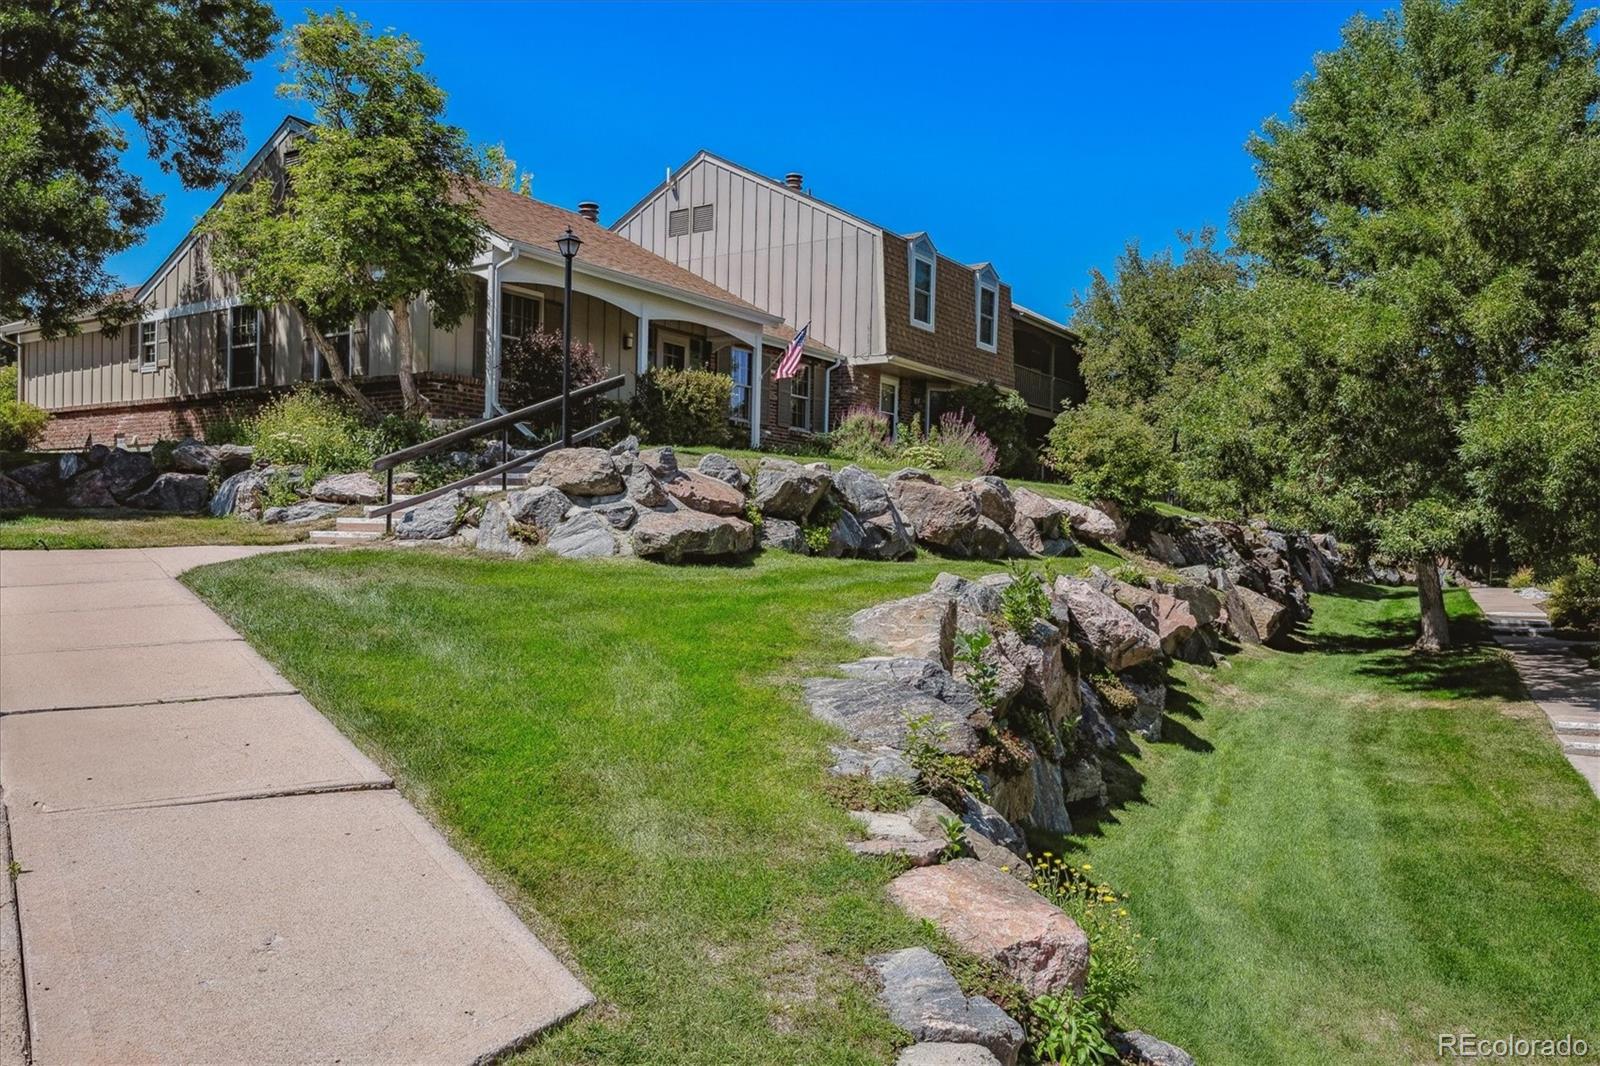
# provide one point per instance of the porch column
(757, 373)
(491, 355)
(642, 343)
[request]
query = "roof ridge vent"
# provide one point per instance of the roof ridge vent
(794, 179)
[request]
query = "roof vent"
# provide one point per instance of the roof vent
(589, 210)
(794, 180)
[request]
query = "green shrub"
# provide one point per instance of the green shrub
(981, 674)
(1574, 601)
(21, 424)
(161, 455)
(315, 429)
(1069, 1031)
(862, 435)
(395, 431)
(280, 490)
(684, 407)
(1522, 579)
(1110, 454)
(1128, 574)
(1024, 601)
(954, 444)
(940, 774)
(1002, 415)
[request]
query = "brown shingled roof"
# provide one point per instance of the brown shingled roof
(533, 221)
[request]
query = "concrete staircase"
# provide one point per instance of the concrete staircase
(365, 528)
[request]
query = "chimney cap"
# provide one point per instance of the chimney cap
(794, 179)
(589, 210)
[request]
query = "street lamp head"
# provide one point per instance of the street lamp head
(568, 243)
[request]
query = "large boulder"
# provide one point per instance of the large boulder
(780, 534)
(993, 499)
(675, 535)
(583, 535)
(725, 470)
(663, 462)
(860, 492)
(1091, 523)
(40, 479)
(435, 520)
(1102, 626)
(876, 713)
(785, 489)
(69, 466)
(1268, 618)
(578, 472)
(495, 534)
(846, 537)
(939, 516)
(923, 998)
(885, 537)
(175, 492)
(240, 494)
(702, 492)
(1175, 622)
(994, 916)
(232, 458)
(90, 489)
(921, 626)
(13, 497)
(940, 1053)
(542, 507)
(190, 456)
(1042, 677)
(357, 487)
(923, 675)
(1142, 1049)
(1049, 811)
(127, 472)
(1047, 515)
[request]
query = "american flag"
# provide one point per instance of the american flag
(789, 365)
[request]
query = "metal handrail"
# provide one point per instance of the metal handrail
(488, 425)
(391, 506)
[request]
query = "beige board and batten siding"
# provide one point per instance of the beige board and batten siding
(776, 248)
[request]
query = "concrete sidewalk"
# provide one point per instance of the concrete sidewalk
(211, 872)
(1564, 686)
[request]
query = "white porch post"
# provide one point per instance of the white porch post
(491, 358)
(642, 343)
(757, 373)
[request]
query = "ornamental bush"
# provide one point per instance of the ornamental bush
(1002, 415)
(21, 424)
(1574, 601)
(862, 435)
(531, 371)
(1110, 454)
(311, 427)
(683, 407)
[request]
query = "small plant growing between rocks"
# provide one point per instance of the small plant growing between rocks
(982, 675)
(955, 837)
(1128, 574)
(859, 792)
(279, 491)
(1003, 751)
(818, 529)
(942, 775)
(1068, 1031)
(752, 514)
(1025, 601)
(1119, 699)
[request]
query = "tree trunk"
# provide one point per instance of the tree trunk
(405, 346)
(1435, 623)
(330, 360)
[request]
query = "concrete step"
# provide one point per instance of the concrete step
(343, 536)
(1579, 728)
(374, 525)
(1589, 748)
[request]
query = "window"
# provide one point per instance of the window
(800, 398)
(988, 303)
(678, 222)
(243, 338)
(519, 315)
(924, 267)
(340, 340)
(672, 350)
(705, 217)
(889, 401)
(739, 370)
(148, 339)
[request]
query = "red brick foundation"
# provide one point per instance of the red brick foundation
(142, 424)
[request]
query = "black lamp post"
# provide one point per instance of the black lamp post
(569, 245)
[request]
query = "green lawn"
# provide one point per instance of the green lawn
(134, 529)
(1339, 851)
(1343, 851)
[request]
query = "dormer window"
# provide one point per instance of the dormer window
(988, 305)
(924, 282)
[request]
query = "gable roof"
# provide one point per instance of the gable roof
(522, 218)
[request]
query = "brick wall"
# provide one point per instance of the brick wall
(953, 344)
(143, 424)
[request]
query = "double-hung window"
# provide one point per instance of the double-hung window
(339, 341)
(520, 316)
(924, 282)
(739, 370)
(988, 304)
(800, 398)
(149, 340)
(243, 339)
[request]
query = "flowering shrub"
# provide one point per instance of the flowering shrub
(964, 447)
(310, 427)
(862, 434)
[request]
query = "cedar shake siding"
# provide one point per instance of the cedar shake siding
(953, 343)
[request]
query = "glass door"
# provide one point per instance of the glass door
(889, 401)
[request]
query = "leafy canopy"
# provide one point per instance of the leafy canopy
(71, 73)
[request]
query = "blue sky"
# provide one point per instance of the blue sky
(1037, 136)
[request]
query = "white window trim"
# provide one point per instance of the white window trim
(804, 374)
(153, 363)
(749, 372)
(894, 416)
(986, 280)
(922, 250)
(256, 355)
(665, 337)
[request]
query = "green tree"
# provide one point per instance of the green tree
(1110, 453)
(70, 72)
(377, 210)
(1426, 225)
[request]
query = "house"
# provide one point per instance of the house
(1048, 355)
(199, 354)
(907, 322)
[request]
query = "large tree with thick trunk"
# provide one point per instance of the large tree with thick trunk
(1427, 226)
(376, 210)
